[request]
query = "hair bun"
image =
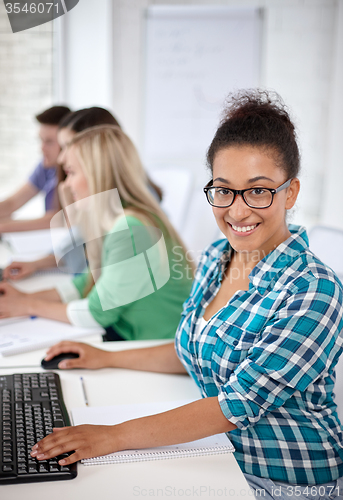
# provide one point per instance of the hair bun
(258, 117)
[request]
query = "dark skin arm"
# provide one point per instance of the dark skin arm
(171, 427)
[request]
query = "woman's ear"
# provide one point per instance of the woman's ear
(292, 193)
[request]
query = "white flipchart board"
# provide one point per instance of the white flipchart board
(194, 57)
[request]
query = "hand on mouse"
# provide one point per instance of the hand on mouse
(89, 357)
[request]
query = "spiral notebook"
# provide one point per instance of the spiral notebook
(110, 415)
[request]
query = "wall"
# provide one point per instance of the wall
(332, 212)
(100, 56)
(84, 46)
(25, 90)
(300, 61)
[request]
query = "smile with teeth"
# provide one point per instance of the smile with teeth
(243, 229)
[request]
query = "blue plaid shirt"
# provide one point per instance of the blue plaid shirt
(269, 356)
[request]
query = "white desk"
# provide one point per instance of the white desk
(197, 477)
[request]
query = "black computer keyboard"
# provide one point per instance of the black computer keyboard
(31, 404)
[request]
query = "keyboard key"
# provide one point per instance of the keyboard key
(58, 423)
(63, 468)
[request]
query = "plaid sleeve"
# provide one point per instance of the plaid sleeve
(298, 344)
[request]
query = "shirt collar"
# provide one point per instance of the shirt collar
(263, 275)
(266, 271)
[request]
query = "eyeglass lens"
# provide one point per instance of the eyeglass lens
(256, 197)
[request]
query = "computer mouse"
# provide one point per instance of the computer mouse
(52, 364)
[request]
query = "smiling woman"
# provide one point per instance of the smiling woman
(259, 307)
(253, 157)
(260, 333)
(263, 227)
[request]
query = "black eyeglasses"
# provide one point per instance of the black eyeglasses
(223, 197)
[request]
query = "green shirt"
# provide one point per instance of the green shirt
(133, 293)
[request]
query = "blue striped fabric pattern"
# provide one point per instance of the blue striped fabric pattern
(269, 356)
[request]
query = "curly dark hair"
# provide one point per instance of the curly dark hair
(258, 118)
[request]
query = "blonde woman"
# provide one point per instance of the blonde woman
(132, 289)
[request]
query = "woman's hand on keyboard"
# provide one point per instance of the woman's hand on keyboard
(89, 357)
(85, 440)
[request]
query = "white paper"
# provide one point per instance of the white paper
(22, 335)
(37, 242)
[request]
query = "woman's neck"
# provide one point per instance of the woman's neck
(248, 259)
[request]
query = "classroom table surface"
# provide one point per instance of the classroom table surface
(197, 477)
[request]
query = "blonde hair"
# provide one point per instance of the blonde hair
(110, 160)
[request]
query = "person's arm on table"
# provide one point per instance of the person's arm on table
(45, 304)
(17, 200)
(160, 359)
(168, 428)
(19, 270)
(11, 225)
(172, 427)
